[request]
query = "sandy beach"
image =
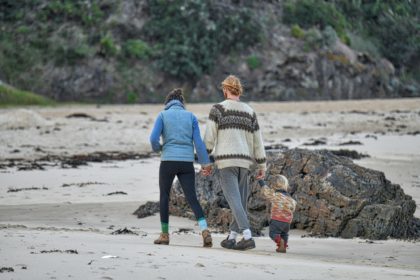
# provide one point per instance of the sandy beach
(56, 222)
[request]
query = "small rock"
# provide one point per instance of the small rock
(315, 142)
(148, 209)
(350, 154)
(184, 230)
(80, 115)
(6, 269)
(123, 231)
(71, 251)
(116, 193)
(350, 143)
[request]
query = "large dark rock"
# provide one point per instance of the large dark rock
(335, 198)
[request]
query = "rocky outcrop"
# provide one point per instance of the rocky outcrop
(289, 71)
(335, 198)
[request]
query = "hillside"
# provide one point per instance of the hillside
(127, 51)
(12, 96)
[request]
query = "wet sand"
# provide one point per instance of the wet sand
(78, 208)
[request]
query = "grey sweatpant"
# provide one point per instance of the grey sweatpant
(235, 186)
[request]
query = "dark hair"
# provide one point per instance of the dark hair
(175, 94)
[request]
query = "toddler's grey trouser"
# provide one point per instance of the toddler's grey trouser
(235, 186)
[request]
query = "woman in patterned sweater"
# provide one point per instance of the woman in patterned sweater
(234, 137)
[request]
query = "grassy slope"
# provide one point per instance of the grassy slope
(10, 96)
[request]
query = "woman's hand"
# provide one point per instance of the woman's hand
(260, 174)
(206, 170)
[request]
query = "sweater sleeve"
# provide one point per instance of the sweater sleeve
(293, 206)
(155, 135)
(210, 136)
(259, 151)
(203, 157)
(267, 192)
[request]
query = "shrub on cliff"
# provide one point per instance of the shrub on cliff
(392, 27)
(108, 47)
(86, 12)
(395, 25)
(309, 13)
(297, 32)
(189, 35)
(137, 49)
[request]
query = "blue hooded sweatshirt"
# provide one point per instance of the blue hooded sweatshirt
(180, 133)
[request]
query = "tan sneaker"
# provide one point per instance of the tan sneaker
(207, 240)
(163, 239)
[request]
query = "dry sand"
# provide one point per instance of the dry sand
(70, 209)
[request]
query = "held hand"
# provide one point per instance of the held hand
(206, 170)
(260, 174)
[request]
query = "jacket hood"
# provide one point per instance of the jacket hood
(173, 103)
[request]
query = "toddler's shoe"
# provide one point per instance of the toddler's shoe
(281, 245)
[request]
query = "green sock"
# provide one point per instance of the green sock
(165, 227)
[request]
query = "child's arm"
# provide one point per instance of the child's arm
(267, 192)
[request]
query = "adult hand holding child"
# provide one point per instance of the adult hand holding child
(206, 170)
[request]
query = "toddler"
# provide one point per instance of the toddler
(282, 208)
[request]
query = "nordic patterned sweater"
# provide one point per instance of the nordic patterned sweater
(234, 136)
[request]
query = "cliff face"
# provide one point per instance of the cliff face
(288, 72)
(84, 57)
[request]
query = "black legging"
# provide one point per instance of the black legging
(186, 176)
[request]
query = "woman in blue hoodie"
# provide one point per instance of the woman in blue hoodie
(180, 133)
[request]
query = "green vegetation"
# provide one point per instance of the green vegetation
(186, 38)
(189, 35)
(13, 96)
(37, 32)
(137, 49)
(389, 28)
(86, 12)
(253, 62)
(314, 13)
(69, 46)
(108, 48)
(393, 24)
(297, 32)
(313, 39)
(132, 97)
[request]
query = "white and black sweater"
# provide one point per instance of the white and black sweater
(232, 131)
